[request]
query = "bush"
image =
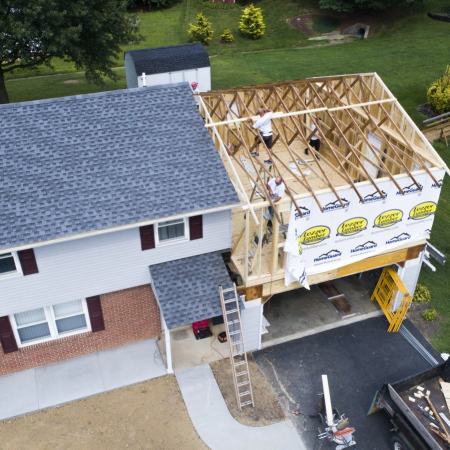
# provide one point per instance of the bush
(438, 93)
(201, 30)
(151, 4)
(429, 314)
(251, 23)
(227, 36)
(422, 294)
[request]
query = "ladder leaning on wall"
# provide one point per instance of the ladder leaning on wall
(229, 300)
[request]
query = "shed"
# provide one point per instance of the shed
(167, 65)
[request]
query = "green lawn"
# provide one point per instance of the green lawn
(439, 281)
(408, 54)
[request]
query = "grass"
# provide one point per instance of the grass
(438, 282)
(408, 54)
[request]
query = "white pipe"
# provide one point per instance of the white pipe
(327, 398)
(144, 79)
(433, 269)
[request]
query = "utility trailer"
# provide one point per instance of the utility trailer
(411, 424)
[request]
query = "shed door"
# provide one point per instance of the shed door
(368, 152)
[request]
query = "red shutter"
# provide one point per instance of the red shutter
(195, 227)
(7, 336)
(28, 261)
(147, 237)
(95, 313)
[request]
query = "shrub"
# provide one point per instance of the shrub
(251, 23)
(438, 93)
(422, 294)
(201, 30)
(429, 314)
(227, 36)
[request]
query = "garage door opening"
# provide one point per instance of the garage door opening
(297, 313)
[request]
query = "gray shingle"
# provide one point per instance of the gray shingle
(169, 59)
(187, 289)
(96, 161)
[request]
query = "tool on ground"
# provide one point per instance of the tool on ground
(336, 425)
(229, 300)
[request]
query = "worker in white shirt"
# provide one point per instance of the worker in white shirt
(314, 140)
(264, 126)
(276, 189)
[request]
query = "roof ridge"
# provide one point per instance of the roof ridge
(112, 92)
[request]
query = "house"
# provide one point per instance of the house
(97, 189)
(172, 64)
(123, 212)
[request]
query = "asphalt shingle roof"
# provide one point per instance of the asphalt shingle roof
(78, 164)
(188, 289)
(169, 59)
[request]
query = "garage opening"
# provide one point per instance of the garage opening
(297, 313)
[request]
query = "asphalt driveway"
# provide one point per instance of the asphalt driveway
(358, 360)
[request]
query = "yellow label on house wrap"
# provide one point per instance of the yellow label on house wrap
(388, 218)
(352, 226)
(314, 235)
(422, 210)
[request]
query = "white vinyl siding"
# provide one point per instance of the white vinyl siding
(50, 322)
(106, 263)
(201, 75)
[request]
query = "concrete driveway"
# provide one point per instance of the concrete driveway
(358, 359)
(58, 383)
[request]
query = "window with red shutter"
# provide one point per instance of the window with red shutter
(147, 234)
(28, 261)
(7, 338)
(95, 313)
(195, 227)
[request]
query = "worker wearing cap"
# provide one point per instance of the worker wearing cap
(264, 126)
(276, 189)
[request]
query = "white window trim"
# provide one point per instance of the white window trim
(51, 321)
(17, 273)
(166, 242)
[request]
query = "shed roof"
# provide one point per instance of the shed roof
(93, 162)
(187, 288)
(169, 59)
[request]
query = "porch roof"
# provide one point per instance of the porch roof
(187, 289)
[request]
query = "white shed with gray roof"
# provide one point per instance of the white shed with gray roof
(166, 65)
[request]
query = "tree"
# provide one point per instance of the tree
(87, 32)
(354, 5)
(201, 30)
(251, 23)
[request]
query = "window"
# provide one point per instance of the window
(51, 322)
(172, 230)
(69, 316)
(32, 325)
(7, 263)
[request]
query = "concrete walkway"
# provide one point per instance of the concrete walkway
(215, 425)
(58, 383)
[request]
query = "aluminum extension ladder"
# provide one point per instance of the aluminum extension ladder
(229, 300)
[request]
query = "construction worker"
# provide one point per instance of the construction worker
(276, 189)
(264, 126)
(196, 92)
(314, 140)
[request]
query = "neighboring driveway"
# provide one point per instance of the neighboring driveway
(358, 359)
(75, 378)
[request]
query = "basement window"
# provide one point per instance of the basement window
(172, 230)
(51, 322)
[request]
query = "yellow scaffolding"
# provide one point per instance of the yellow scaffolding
(385, 293)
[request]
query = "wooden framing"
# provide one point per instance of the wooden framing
(341, 111)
